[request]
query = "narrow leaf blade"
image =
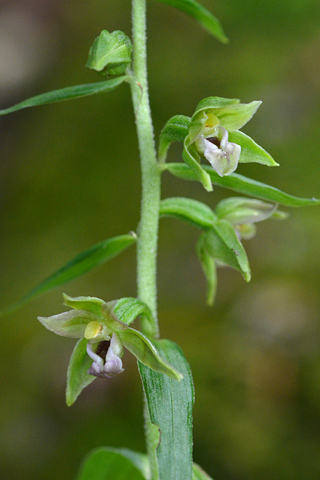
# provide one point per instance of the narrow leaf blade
(244, 185)
(206, 19)
(67, 93)
(110, 463)
(78, 377)
(189, 210)
(82, 263)
(170, 407)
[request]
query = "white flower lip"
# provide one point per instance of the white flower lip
(111, 365)
(224, 159)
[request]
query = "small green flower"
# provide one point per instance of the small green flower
(105, 336)
(214, 135)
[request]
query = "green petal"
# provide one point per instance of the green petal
(69, 324)
(142, 348)
(89, 304)
(78, 377)
(222, 244)
(251, 152)
(209, 268)
(192, 159)
(234, 117)
(175, 130)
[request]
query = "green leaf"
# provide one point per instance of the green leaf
(113, 464)
(244, 185)
(175, 130)
(77, 376)
(201, 14)
(191, 211)
(199, 474)
(82, 263)
(251, 152)
(222, 244)
(67, 93)
(209, 268)
(170, 408)
(128, 309)
(192, 159)
(144, 350)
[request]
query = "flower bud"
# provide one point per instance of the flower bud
(110, 53)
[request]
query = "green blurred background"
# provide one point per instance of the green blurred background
(70, 178)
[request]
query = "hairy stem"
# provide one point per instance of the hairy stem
(148, 229)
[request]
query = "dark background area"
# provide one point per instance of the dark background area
(70, 178)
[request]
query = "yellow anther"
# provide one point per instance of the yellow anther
(92, 330)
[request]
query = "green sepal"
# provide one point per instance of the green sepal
(84, 262)
(70, 324)
(175, 130)
(198, 473)
(110, 53)
(232, 115)
(222, 244)
(144, 350)
(251, 152)
(67, 93)
(128, 309)
(192, 159)
(191, 211)
(170, 406)
(244, 185)
(240, 210)
(206, 19)
(78, 377)
(106, 463)
(209, 268)
(89, 304)
(136, 342)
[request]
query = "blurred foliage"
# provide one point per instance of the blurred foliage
(255, 355)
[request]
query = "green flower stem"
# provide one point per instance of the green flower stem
(150, 204)
(148, 229)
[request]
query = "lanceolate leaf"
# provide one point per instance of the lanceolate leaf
(113, 464)
(87, 260)
(175, 130)
(200, 13)
(78, 377)
(67, 93)
(243, 185)
(170, 407)
(191, 211)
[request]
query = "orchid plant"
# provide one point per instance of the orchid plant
(212, 147)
